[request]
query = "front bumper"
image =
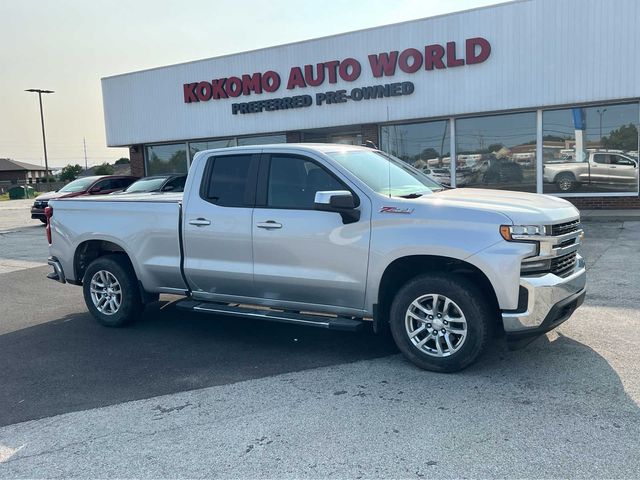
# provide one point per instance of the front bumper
(37, 213)
(546, 301)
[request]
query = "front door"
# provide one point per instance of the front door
(303, 255)
(217, 222)
(623, 172)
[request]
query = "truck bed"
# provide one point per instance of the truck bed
(147, 227)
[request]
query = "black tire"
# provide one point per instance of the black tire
(131, 305)
(566, 182)
(480, 321)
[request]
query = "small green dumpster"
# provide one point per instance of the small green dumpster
(19, 192)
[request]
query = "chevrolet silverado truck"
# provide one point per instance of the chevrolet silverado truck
(600, 168)
(330, 236)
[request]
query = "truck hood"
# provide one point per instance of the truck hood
(521, 208)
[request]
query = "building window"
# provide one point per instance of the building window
(195, 147)
(166, 159)
(423, 145)
(262, 140)
(497, 151)
(591, 149)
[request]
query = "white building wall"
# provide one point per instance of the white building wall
(544, 53)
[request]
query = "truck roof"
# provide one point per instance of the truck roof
(311, 147)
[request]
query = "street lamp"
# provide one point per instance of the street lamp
(601, 113)
(44, 139)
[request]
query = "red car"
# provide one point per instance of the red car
(98, 185)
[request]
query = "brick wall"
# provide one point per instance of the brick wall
(603, 203)
(137, 160)
(294, 137)
(370, 132)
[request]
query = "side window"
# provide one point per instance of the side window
(175, 185)
(105, 185)
(122, 183)
(618, 160)
(227, 182)
(294, 181)
(601, 158)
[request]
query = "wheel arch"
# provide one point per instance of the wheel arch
(565, 172)
(403, 269)
(88, 250)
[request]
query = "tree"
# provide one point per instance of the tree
(104, 169)
(122, 161)
(624, 138)
(70, 172)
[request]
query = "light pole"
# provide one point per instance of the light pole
(601, 113)
(44, 138)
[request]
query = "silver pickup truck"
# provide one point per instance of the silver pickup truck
(331, 236)
(600, 169)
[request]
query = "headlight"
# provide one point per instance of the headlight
(522, 232)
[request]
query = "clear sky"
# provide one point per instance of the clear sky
(68, 45)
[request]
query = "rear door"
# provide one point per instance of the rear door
(302, 255)
(599, 168)
(218, 257)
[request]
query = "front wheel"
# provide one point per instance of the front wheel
(111, 291)
(441, 322)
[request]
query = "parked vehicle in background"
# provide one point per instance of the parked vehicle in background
(96, 185)
(156, 183)
(440, 175)
(330, 236)
(601, 167)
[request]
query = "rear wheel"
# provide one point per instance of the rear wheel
(441, 322)
(566, 182)
(111, 291)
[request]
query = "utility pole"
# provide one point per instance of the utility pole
(601, 113)
(44, 138)
(84, 144)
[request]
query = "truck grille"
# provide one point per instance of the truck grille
(562, 266)
(41, 203)
(562, 228)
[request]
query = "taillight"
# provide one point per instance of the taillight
(48, 213)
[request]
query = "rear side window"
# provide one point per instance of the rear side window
(601, 158)
(227, 182)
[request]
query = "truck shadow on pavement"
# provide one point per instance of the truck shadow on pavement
(73, 363)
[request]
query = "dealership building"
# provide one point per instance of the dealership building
(532, 95)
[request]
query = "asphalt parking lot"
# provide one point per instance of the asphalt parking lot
(187, 395)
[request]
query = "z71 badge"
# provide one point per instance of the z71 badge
(396, 210)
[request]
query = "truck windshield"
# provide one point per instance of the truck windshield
(385, 173)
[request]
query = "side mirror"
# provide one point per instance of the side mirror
(339, 201)
(95, 189)
(169, 188)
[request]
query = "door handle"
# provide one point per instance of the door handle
(200, 222)
(269, 225)
(613, 166)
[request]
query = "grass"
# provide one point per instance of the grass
(5, 196)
